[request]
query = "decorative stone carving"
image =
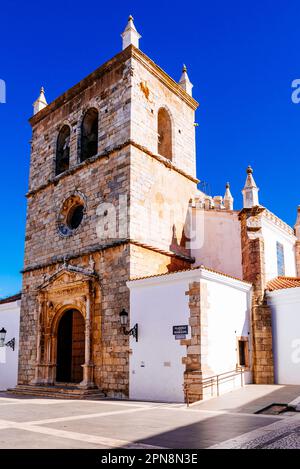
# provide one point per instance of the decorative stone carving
(66, 289)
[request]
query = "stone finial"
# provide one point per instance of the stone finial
(92, 264)
(130, 35)
(297, 225)
(228, 199)
(184, 81)
(250, 191)
(40, 103)
(208, 203)
(218, 202)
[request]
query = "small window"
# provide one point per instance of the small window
(62, 150)
(280, 259)
(71, 215)
(164, 130)
(89, 135)
(75, 217)
(243, 352)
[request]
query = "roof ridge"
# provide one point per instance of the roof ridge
(282, 282)
(188, 270)
(11, 298)
(287, 277)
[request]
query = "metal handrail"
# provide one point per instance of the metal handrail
(211, 381)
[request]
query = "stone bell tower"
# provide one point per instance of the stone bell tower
(111, 174)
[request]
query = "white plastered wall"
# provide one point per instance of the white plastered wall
(285, 307)
(218, 241)
(271, 235)
(159, 303)
(10, 320)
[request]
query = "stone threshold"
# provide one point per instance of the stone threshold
(57, 391)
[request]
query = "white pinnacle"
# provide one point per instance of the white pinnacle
(250, 191)
(40, 103)
(185, 82)
(228, 199)
(130, 36)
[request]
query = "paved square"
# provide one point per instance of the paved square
(227, 421)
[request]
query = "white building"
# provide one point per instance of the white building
(9, 347)
(215, 308)
(224, 331)
(283, 296)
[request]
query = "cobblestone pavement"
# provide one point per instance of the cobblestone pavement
(280, 435)
(52, 423)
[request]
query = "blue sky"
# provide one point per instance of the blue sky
(241, 55)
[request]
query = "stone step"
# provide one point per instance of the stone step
(57, 388)
(57, 392)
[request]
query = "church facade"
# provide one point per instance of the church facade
(113, 200)
(95, 153)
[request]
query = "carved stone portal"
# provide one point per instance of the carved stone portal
(71, 288)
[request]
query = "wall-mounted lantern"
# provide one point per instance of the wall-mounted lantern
(124, 322)
(11, 343)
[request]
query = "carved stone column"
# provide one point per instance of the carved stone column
(50, 367)
(52, 361)
(88, 367)
(38, 378)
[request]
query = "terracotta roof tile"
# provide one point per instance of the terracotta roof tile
(10, 299)
(280, 283)
(187, 270)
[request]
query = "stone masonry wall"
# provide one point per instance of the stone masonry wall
(159, 203)
(149, 94)
(145, 262)
(196, 359)
(254, 272)
(109, 345)
(108, 90)
(101, 182)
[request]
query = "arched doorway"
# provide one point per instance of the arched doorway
(70, 347)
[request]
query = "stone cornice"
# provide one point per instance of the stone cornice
(164, 161)
(118, 59)
(85, 274)
(107, 154)
(159, 73)
(103, 247)
(278, 222)
(254, 211)
(121, 57)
